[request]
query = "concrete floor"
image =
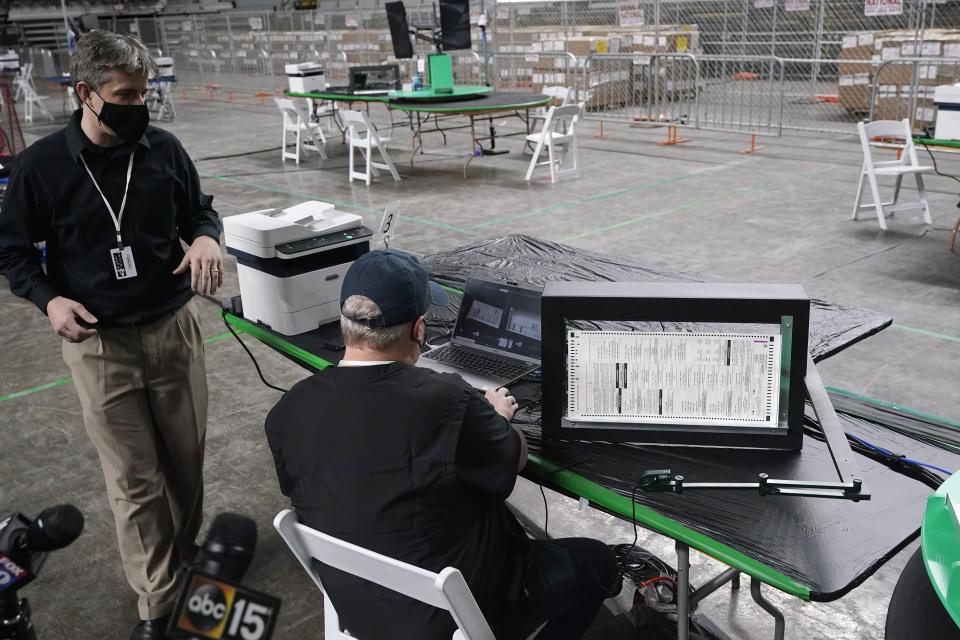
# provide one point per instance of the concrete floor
(781, 215)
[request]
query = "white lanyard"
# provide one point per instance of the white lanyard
(123, 203)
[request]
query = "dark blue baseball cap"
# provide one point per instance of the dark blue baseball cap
(396, 282)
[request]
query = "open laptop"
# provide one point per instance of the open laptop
(496, 339)
(374, 80)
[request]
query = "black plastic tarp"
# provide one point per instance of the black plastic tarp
(525, 259)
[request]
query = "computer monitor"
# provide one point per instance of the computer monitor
(454, 24)
(399, 30)
(675, 363)
(374, 79)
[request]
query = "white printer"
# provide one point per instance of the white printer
(947, 99)
(304, 77)
(9, 61)
(291, 262)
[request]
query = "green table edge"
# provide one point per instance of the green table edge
(336, 97)
(434, 107)
(579, 485)
(940, 544)
(424, 94)
(933, 142)
(276, 342)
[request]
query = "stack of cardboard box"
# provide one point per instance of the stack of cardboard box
(613, 82)
(906, 70)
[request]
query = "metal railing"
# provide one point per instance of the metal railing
(904, 88)
(710, 92)
(530, 72)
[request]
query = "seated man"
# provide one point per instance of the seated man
(416, 465)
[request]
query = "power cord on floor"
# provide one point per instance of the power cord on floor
(936, 169)
(237, 155)
(543, 494)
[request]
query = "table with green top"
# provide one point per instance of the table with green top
(812, 548)
(945, 146)
(477, 108)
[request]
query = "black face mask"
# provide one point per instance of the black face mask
(128, 121)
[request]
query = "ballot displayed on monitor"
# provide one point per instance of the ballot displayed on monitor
(673, 378)
(675, 363)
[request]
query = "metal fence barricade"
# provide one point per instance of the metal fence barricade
(742, 94)
(905, 88)
(531, 72)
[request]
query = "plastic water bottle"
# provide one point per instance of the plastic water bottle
(417, 81)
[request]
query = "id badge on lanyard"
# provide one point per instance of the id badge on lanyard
(121, 258)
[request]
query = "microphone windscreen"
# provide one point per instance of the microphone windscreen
(229, 546)
(54, 528)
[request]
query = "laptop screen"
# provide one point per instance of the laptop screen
(500, 316)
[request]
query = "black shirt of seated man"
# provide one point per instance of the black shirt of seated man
(414, 465)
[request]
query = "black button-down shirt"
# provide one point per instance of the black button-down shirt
(51, 198)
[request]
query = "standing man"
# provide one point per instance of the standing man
(113, 198)
(416, 465)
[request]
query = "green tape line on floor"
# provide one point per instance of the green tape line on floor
(602, 196)
(68, 379)
(36, 389)
(771, 185)
(348, 205)
(925, 332)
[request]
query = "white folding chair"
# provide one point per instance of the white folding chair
(884, 131)
(161, 99)
(363, 135)
(294, 123)
(446, 590)
(318, 110)
(559, 136)
(22, 78)
(32, 100)
(561, 96)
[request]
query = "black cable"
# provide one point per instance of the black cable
(546, 513)
(934, 160)
(546, 509)
(250, 353)
(894, 462)
(237, 155)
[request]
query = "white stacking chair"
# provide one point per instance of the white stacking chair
(446, 590)
(303, 133)
(907, 164)
(559, 136)
(361, 134)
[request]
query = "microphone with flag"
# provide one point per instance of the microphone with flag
(24, 545)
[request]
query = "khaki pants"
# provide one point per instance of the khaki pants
(144, 398)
